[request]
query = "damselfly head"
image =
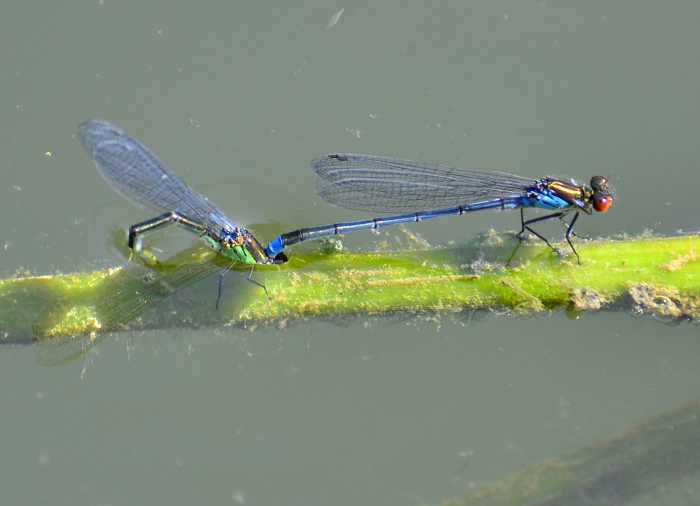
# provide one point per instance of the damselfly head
(602, 197)
(231, 238)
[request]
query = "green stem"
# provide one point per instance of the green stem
(657, 275)
(611, 471)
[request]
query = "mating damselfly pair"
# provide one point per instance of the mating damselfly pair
(418, 190)
(363, 182)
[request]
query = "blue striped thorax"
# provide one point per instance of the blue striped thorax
(556, 194)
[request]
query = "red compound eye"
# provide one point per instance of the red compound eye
(601, 204)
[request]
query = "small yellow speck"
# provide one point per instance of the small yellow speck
(48, 153)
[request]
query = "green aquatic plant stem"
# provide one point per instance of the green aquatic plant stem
(611, 471)
(646, 275)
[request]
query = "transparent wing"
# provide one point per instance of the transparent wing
(379, 184)
(123, 299)
(136, 174)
